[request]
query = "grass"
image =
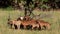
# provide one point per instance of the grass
(4, 28)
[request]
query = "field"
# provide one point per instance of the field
(54, 20)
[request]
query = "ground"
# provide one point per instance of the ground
(54, 21)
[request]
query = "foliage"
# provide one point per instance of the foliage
(10, 2)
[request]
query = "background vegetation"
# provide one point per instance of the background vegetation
(51, 3)
(7, 7)
(54, 20)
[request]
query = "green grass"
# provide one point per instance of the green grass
(4, 28)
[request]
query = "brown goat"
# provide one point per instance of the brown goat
(44, 24)
(25, 23)
(17, 23)
(30, 23)
(14, 23)
(11, 23)
(34, 25)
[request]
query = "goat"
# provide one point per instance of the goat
(44, 24)
(11, 23)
